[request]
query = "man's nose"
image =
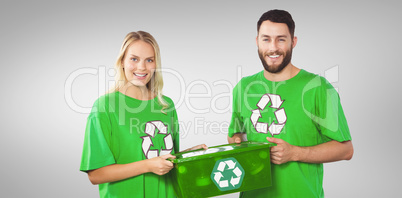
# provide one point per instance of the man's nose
(273, 46)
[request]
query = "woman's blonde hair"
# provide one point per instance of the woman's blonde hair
(155, 85)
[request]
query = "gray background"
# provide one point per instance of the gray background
(210, 45)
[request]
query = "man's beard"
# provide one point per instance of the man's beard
(272, 69)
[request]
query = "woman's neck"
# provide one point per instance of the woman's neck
(139, 93)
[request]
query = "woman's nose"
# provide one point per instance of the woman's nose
(141, 65)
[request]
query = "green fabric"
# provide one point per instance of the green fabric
(115, 133)
(314, 115)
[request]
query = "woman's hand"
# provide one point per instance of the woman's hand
(201, 146)
(160, 165)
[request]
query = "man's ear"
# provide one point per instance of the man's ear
(256, 40)
(294, 41)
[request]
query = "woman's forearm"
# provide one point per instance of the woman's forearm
(116, 172)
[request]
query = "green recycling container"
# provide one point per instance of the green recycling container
(222, 170)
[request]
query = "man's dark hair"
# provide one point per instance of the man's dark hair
(278, 16)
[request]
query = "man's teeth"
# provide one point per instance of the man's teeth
(274, 56)
(140, 75)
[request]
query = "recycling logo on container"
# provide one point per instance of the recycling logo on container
(280, 115)
(227, 174)
(150, 129)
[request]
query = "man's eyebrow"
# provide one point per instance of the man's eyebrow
(282, 35)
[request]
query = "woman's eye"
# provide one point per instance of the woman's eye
(134, 59)
(150, 60)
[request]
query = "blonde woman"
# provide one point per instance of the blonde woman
(133, 130)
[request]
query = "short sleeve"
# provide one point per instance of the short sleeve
(236, 122)
(331, 118)
(96, 151)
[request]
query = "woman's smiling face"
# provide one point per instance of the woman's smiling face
(139, 63)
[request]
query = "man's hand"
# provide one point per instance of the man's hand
(237, 138)
(283, 152)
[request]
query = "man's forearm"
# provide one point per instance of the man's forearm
(327, 152)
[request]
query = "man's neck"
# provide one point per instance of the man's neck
(287, 73)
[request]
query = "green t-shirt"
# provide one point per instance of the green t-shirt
(121, 130)
(303, 111)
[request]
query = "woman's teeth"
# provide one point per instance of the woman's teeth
(140, 75)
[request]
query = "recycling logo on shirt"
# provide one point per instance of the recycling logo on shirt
(273, 128)
(227, 174)
(151, 129)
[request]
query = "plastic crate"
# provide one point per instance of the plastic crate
(222, 170)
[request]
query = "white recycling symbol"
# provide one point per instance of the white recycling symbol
(273, 128)
(224, 176)
(150, 130)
